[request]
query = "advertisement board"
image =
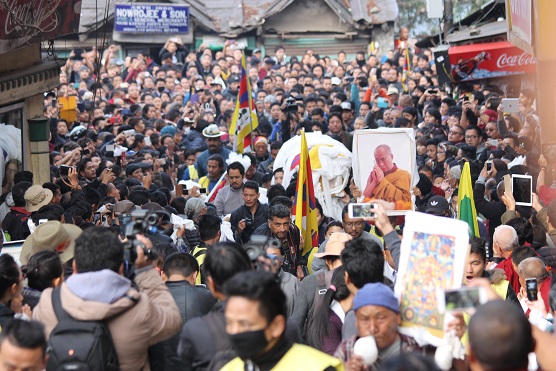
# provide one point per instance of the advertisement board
(488, 60)
(30, 21)
(151, 18)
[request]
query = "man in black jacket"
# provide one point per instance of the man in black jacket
(202, 337)
(250, 215)
(180, 272)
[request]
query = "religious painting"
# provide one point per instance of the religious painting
(433, 254)
(384, 167)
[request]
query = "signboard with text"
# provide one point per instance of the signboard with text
(151, 18)
(31, 21)
(488, 60)
(520, 26)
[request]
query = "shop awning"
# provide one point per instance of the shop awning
(488, 60)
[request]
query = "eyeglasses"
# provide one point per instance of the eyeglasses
(471, 137)
(353, 224)
(455, 132)
(382, 160)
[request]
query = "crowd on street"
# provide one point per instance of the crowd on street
(182, 254)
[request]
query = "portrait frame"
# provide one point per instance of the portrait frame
(402, 144)
(433, 255)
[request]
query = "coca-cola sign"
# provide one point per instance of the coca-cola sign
(489, 60)
(506, 60)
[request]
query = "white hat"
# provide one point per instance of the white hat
(392, 90)
(212, 131)
(336, 81)
(346, 106)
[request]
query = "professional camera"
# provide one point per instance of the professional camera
(291, 105)
(138, 222)
(257, 245)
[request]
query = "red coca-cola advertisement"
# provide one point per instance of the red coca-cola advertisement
(489, 60)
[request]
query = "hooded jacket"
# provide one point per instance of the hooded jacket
(136, 319)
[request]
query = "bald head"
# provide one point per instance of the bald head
(506, 237)
(384, 158)
(500, 337)
(532, 268)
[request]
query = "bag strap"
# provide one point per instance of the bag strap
(57, 304)
(201, 251)
(321, 283)
(549, 241)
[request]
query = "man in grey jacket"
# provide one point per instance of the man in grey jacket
(353, 227)
(230, 197)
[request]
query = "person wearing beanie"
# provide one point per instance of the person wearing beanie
(378, 314)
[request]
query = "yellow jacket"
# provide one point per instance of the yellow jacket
(299, 357)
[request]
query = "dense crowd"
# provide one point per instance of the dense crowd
(184, 253)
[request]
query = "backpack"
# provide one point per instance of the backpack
(79, 345)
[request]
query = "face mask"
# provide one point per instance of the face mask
(161, 89)
(186, 129)
(248, 344)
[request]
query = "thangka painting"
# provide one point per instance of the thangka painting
(433, 254)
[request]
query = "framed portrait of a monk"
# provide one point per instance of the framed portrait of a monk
(384, 167)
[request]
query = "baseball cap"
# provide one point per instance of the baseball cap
(346, 106)
(437, 205)
(377, 294)
(335, 244)
(336, 81)
(256, 50)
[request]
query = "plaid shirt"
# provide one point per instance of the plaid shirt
(408, 345)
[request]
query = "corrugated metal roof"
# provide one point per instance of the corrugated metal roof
(234, 17)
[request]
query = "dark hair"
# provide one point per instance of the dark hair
(500, 342)
(180, 263)
(49, 212)
(274, 191)
(96, 249)
(18, 192)
(178, 203)
(478, 247)
(262, 287)
(162, 250)
(539, 237)
(223, 261)
(52, 186)
(218, 159)
(363, 262)
(521, 253)
(278, 211)
(24, 334)
(281, 200)
(42, 268)
(318, 327)
(209, 226)
(251, 184)
(9, 273)
(523, 229)
(237, 166)
(334, 223)
(139, 197)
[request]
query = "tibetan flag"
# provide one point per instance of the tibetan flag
(466, 203)
(244, 120)
(305, 205)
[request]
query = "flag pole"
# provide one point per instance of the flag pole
(250, 100)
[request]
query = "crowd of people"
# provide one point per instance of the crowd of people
(184, 253)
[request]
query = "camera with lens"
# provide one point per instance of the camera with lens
(138, 222)
(248, 222)
(257, 245)
(291, 105)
